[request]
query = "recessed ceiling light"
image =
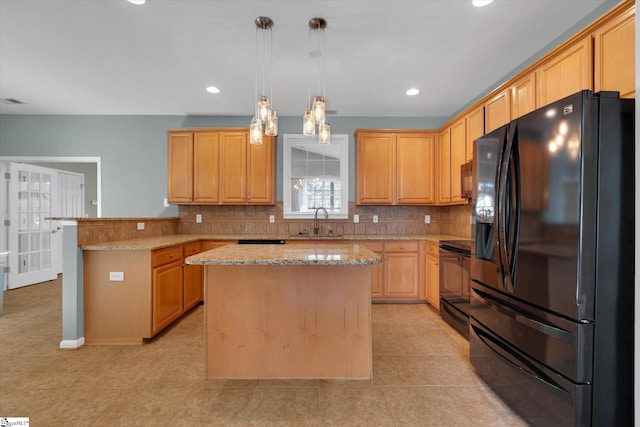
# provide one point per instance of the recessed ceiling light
(480, 3)
(137, 2)
(213, 89)
(412, 91)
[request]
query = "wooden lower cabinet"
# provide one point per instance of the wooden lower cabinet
(432, 274)
(166, 295)
(397, 277)
(193, 291)
(157, 288)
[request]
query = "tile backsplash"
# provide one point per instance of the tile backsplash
(254, 220)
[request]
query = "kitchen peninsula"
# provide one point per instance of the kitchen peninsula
(288, 311)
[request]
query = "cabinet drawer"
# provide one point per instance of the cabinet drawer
(375, 247)
(192, 248)
(433, 249)
(164, 256)
(401, 246)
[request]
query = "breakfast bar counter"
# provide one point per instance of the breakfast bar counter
(288, 311)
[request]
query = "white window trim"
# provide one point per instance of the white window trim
(340, 140)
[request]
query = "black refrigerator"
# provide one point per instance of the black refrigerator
(552, 263)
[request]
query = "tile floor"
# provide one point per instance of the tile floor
(421, 372)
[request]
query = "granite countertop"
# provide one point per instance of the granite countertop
(301, 254)
(160, 242)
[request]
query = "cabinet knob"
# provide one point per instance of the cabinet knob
(401, 246)
(171, 256)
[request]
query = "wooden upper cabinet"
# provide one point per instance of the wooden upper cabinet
(233, 167)
(375, 168)
(180, 167)
(219, 166)
(458, 157)
(614, 55)
(475, 129)
(206, 157)
(395, 167)
(444, 166)
(260, 172)
(414, 168)
(567, 72)
(497, 111)
(523, 95)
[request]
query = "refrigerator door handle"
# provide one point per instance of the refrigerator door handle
(502, 203)
(526, 318)
(499, 214)
(509, 356)
(512, 223)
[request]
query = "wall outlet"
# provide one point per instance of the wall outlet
(356, 218)
(166, 203)
(141, 226)
(272, 219)
(375, 219)
(427, 219)
(116, 276)
(198, 218)
(471, 219)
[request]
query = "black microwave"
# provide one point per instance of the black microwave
(466, 180)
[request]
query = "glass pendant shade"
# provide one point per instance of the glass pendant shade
(308, 124)
(271, 125)
(318, 108)
(263, 108)
(255, 131)
(324, 134)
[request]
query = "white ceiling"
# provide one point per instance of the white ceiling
(112, 57)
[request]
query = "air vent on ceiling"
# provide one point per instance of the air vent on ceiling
(10, 101)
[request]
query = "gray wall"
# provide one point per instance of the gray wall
(133, 149)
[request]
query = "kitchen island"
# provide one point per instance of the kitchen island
(288, 311)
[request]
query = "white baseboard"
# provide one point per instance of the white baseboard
(72, 343)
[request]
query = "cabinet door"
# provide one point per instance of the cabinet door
(401, 275)
(566, 73)
(260, 172)
(458, 158)
(414, 169)
(193, 278)
(166, 294)
(433, 281)
(206, 167)
(375, 169)
(497, 111)
(377, 270)
(444, 166)
(475, 129)
(180, 167)
(614, 61)
(233, 167)
(523, 96)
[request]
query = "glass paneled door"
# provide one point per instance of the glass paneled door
(32, 192)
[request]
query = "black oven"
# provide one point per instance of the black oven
(454, 284)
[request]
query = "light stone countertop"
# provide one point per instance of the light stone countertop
(301, 254)
(160, 242)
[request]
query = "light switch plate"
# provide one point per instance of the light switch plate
(356, 218)
(375, 219)
(141, 226)
(427, 219)
(272, 219)
(198, 218)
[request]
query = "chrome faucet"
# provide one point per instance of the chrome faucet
(316, 224)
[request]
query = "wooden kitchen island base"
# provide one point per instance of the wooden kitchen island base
(288, 321)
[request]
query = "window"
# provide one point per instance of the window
(315, 176)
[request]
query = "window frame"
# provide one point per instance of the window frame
(291, 140)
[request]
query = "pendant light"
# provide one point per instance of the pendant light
(315, 115)
(265, 119)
